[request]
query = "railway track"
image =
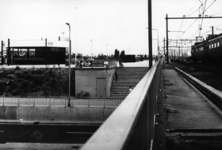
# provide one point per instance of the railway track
(210, 68)
(205, 138)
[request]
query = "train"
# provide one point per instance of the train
(33, 52)
(208, 51)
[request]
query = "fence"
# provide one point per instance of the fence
(131, 125)
(58, 102)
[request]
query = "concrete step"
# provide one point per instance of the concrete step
(120, 89)
(130, 73)
(129, 76)
(134, 81)
(129, 79)
(120, 92)
(118, 96)
(134, 77)
(122, 86)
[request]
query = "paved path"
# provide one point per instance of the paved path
(186, 107)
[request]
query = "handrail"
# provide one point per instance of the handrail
(131, 125)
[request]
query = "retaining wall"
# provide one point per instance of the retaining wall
(55, 113)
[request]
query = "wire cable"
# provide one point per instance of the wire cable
(210, 5)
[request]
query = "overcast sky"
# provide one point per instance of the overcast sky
(101, 26)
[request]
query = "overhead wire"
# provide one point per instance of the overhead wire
(201, 12)
(210, 5)
(201, 22)
(188, 28)
(193, 7)
(181, 25)
(205, 11)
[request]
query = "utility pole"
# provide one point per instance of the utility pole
(213, 31)
(210, 17)
(167, 39)
(150, 33)
(164, 46)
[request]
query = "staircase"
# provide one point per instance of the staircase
(127, 76)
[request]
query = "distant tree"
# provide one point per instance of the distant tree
(116, 54)
(122, 54)
(79, 55)
(73, 55)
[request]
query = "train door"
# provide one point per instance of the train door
(101, 87)
(206, 49)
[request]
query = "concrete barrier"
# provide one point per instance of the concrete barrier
(214, 95)
(55, 113)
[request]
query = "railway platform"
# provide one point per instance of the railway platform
(186, 107)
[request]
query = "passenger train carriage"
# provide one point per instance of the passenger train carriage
(34, 52)
(209, 50)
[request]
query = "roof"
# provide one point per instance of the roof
(39, 43)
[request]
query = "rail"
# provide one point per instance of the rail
(131, 125)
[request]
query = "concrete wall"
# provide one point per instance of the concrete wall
(109, 81)
(55, 113)
(85, 79)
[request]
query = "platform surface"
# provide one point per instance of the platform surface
(187, 108)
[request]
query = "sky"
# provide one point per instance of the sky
(101, 26)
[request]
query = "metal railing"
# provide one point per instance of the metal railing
(57, 102)
(131, 125)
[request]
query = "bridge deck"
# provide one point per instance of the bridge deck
(186, 107)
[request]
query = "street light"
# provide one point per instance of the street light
(69, 104)
(91, 48)
(107, 50)
(158, 46)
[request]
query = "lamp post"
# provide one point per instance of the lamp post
(158, 46)
(91, 48)
(69, 104)
(107, 50)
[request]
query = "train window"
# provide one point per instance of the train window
(215, 45)
(32, 53)
(218, 44)
(15, 53)
(23, 53)
(209, 46)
